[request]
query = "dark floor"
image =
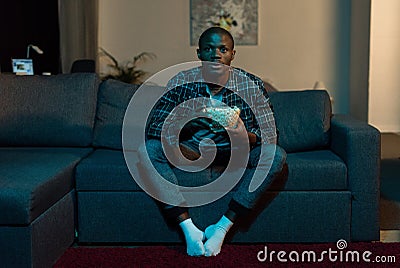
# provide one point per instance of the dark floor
(390, 181)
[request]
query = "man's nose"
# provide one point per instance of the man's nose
(216, 54)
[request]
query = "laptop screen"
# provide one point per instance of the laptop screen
(22, 66)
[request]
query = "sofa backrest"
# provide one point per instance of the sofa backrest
(55, 110)
(302, 119)
(113, 99)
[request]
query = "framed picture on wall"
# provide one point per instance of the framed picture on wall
(239, 17)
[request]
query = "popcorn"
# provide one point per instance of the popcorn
(226, 116)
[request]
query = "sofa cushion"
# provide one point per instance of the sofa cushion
(54, 110)
(114, 97)
(302, 119)
(316, 170)
(319, 170)
(106, 170)
(33, 179)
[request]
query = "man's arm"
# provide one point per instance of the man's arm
(252, 138)
(170, 100)
(264, 115)
(161, 111)
(261, 124)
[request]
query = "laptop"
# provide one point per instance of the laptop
(22, 66)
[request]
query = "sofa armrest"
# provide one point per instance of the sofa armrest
(358, 144)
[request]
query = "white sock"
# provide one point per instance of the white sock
(215, 235)
(194, 238)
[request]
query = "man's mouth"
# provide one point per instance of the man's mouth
(216, 65)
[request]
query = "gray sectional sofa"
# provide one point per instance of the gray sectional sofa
(63, 176)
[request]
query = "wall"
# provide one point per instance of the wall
(359, 58)
(300, 42)
(384, 99)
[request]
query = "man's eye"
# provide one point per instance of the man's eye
(207, 49)
(223, 50)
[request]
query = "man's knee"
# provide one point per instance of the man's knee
(267, 151)
(280, 154)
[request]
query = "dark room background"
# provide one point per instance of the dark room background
(30, 22)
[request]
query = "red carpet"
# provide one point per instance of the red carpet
(387, 254)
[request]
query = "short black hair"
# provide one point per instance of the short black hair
(218, 30)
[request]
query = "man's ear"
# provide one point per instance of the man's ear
(233, 54)
(198, 53)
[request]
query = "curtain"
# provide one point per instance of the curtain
(78, 22)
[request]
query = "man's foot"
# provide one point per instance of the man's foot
(215, 235)
(194, 238)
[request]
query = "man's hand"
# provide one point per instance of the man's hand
(240, 133)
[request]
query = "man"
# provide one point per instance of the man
(215, 83)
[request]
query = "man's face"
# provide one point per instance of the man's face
(218, 48)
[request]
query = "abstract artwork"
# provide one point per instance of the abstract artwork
(239, 17)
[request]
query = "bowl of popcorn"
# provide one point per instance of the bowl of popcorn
(224, 116)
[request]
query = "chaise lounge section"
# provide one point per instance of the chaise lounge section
(45, 131)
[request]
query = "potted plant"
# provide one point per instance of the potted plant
(127, 71)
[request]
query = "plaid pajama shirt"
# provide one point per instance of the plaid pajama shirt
(243, 90)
